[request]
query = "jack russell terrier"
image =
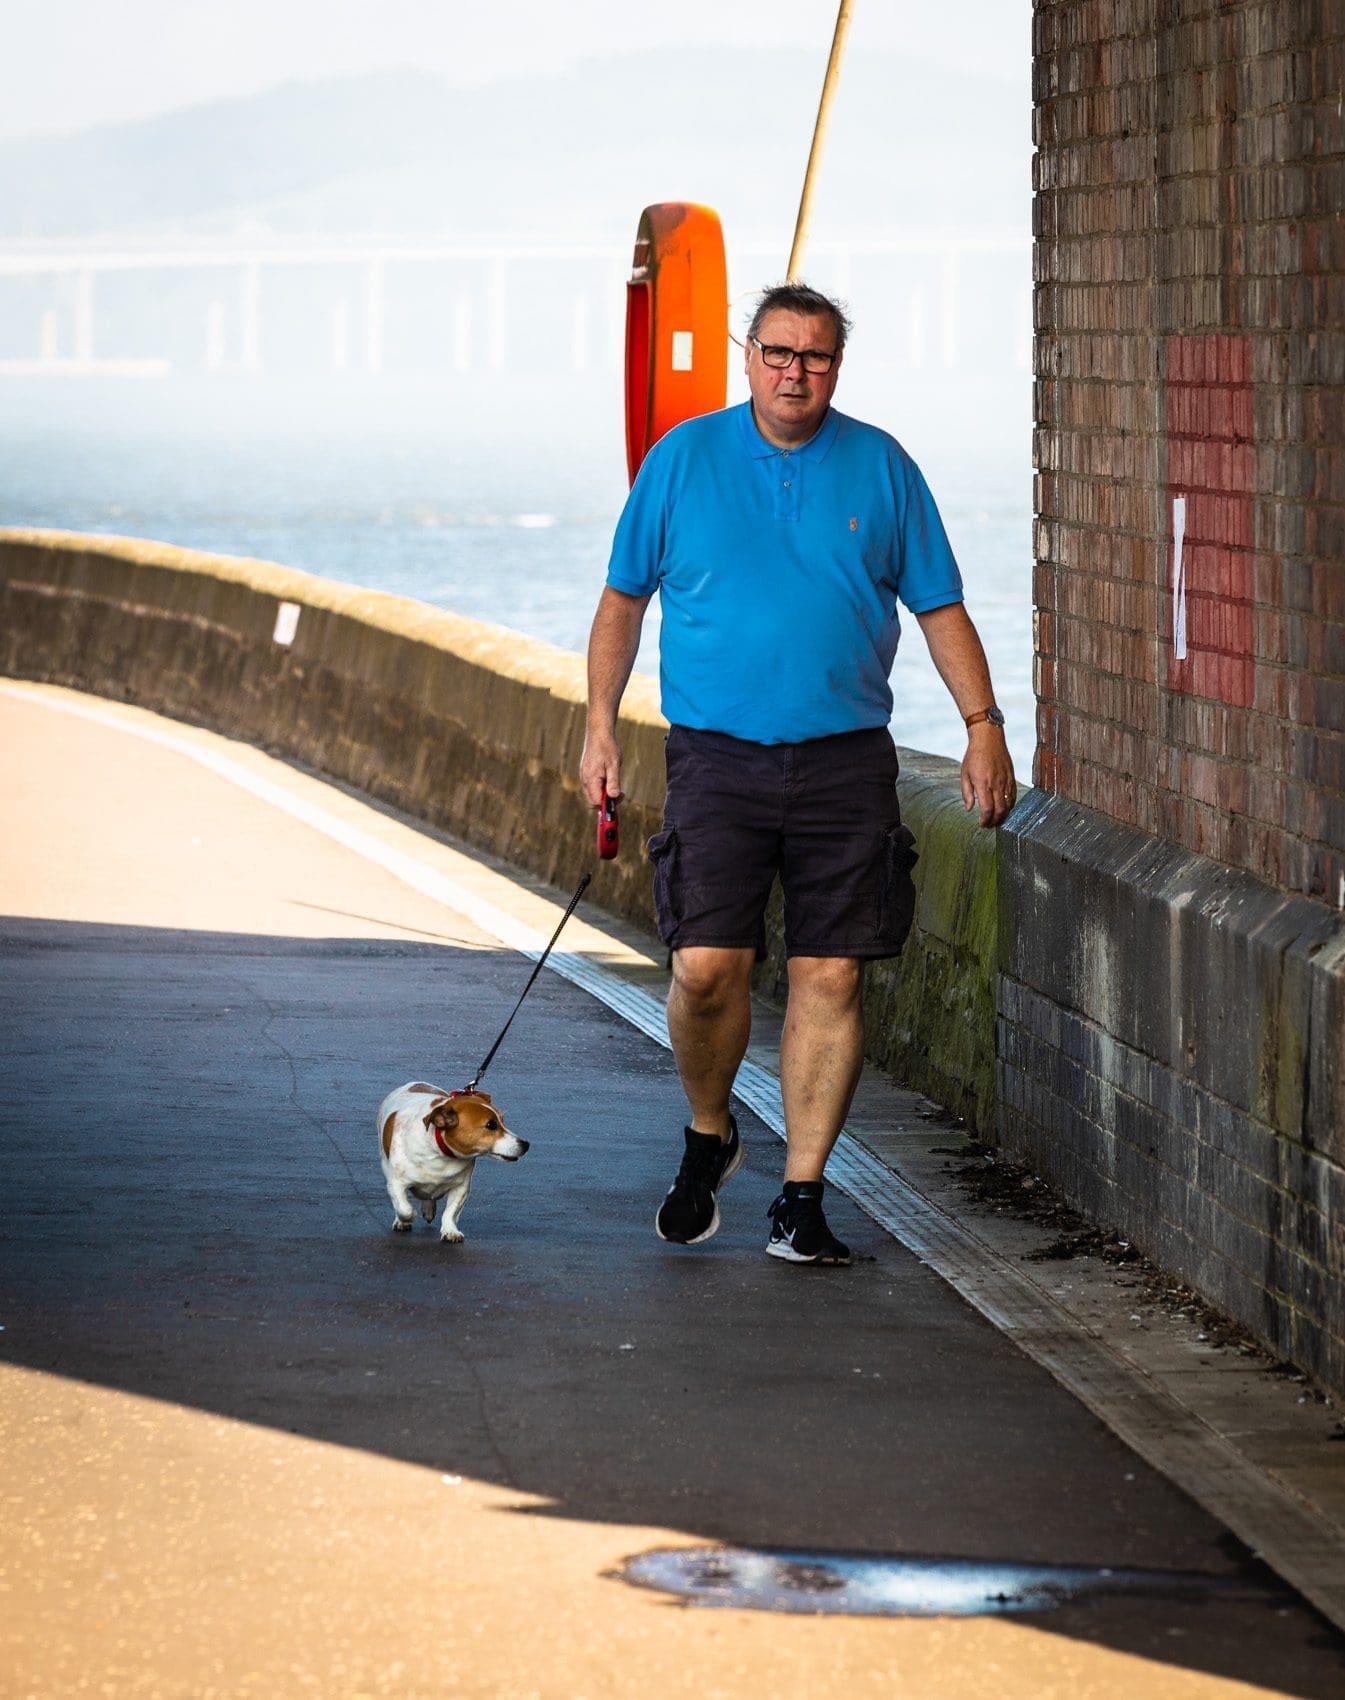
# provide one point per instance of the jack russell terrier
(430, 1140)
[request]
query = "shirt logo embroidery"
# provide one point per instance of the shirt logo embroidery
(854, 525)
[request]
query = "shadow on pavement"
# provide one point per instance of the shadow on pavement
(194, 1212)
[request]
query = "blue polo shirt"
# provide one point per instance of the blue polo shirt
(779, 572)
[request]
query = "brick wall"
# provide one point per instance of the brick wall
(1171, 1003)
(1191, 362)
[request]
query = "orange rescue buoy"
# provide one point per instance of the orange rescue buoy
(677, 361)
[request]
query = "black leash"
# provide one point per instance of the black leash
(579, 892)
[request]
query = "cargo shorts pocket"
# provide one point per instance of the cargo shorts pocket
(896, 892)
(663, 854)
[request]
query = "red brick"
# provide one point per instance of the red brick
(1191, 341)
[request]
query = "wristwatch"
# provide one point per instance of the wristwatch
(994, 715)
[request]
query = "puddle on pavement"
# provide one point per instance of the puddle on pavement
(854, 1585)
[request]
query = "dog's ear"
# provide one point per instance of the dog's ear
(483, 1096)
(442, 1115)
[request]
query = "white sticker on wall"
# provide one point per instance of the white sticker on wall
(1179, 578)
(287, 622)
(681, 351)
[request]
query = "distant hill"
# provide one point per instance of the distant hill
(576, 154)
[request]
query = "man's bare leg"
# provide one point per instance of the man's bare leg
(821, 1055)
(709, 1023)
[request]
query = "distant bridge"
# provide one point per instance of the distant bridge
(463, 298)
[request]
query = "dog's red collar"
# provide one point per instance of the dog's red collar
(439, 1140)
(444, 1146)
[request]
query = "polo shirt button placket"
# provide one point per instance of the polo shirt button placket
(788, 507)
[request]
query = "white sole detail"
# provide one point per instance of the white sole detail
(784, 1250)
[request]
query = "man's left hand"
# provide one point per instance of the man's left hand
(987, 775)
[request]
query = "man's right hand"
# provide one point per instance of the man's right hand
(611, 654)
(600, 768)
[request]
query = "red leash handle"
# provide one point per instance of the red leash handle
(609, 828)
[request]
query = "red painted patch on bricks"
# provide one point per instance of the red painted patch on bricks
(1212, 467)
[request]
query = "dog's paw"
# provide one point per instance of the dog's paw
(452, 1236)
(401, 1224)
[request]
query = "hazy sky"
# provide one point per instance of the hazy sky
(77, 62)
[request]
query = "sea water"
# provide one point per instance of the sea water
(493, 497)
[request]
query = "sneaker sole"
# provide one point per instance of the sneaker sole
(713, 1229)
(783, 1250)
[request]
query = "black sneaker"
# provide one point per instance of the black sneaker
(690, 1212)
(799, 1231)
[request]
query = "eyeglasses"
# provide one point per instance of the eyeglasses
(815, 360)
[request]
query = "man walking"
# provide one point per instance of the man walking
(780, 536)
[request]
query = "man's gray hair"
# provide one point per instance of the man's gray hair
(799, 298)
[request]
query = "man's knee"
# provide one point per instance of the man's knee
(834, 980)
(709, 978)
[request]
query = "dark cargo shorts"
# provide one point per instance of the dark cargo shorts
(822, 815)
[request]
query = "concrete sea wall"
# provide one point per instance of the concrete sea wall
(463, 725)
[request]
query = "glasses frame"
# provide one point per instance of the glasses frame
(802, 355)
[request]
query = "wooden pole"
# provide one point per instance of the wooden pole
(819, 136)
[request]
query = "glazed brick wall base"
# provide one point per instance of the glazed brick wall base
(1171, 1040)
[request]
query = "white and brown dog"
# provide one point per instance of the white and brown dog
(430, 1140)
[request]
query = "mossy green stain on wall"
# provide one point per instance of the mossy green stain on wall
(931, 1014)
(1282, 1055)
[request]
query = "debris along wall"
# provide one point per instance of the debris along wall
(470, 728)
(1172, 1012)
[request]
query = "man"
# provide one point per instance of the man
(780, 536)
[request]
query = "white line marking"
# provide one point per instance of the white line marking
(1305, 1548)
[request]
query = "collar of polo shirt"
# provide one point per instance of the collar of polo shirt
(814, 449)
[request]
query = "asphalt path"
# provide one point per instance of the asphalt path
(431, 1457)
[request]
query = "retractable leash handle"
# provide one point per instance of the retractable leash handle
(580, 889)
(609, 828)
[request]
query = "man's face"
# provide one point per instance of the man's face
(788, 403)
